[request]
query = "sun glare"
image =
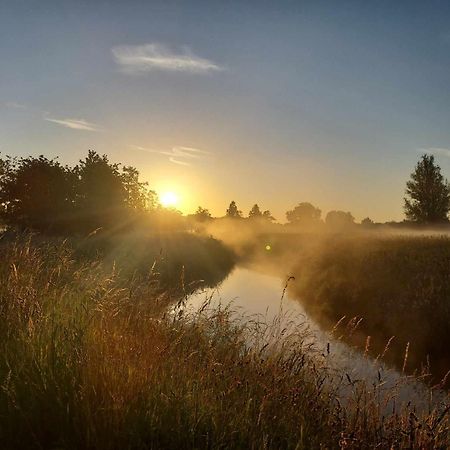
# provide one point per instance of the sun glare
(169, 199)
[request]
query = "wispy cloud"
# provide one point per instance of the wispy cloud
(15, 105)
(149, 57)
(75, 124)
(435, 151)
(183, 156)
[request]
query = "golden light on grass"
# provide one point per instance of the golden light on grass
(169, 199)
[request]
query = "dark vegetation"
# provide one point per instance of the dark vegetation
(399, 286)
(427, 193)
(94, 354)
(118, 213)
(178, 260)
(393, 285)
(91, 359)
(42, 194)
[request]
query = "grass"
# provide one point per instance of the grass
(395, 286)
(399, 286)
(94, 358)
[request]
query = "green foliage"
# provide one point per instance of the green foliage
(427, 193)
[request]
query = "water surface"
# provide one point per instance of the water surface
(263, 296)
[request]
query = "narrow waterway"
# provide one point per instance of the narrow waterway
(262, 296)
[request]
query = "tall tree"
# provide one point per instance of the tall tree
(233, 210)
(36, 193)
(267, 215)
(255, 212)
(3, 167)
(367, 222)
(427, 197)
(41, 194)
(138, 196)
(202, 214)
(339, 219)
(304, 214)
(101, 196)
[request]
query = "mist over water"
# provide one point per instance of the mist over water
(383, 286)
(255, 296)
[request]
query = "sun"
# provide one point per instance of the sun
(169, 199)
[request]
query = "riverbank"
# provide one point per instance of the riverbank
(395, 287)
(91, 359)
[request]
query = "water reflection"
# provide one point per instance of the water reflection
(261, 296)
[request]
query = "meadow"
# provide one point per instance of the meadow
(398, 285)
(95, 355)
(394, 285)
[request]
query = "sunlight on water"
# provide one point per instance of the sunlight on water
(261, 296)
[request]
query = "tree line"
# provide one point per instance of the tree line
(427, 202)
(42, 194)
(304, 215)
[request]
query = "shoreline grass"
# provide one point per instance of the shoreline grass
(91, 359)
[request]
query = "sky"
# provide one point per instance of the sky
(274, 103)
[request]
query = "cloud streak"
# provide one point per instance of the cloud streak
(180, 155)
(149, 57)
(75, 124)
(15, 105)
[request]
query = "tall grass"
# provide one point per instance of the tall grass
(399, 286)
(90, 358)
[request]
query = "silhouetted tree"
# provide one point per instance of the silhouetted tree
(202, 214)
(304, 214)
(37, 193)
(233, 210)
(42, 194)
(268, 216)
(427, 193)
(101, 195)
(138, 197)
(3, 167)
(339, 219)
(255, 212)
(367, 222)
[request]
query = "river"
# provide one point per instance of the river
(261, 296)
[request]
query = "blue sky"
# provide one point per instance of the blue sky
(269, 102)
